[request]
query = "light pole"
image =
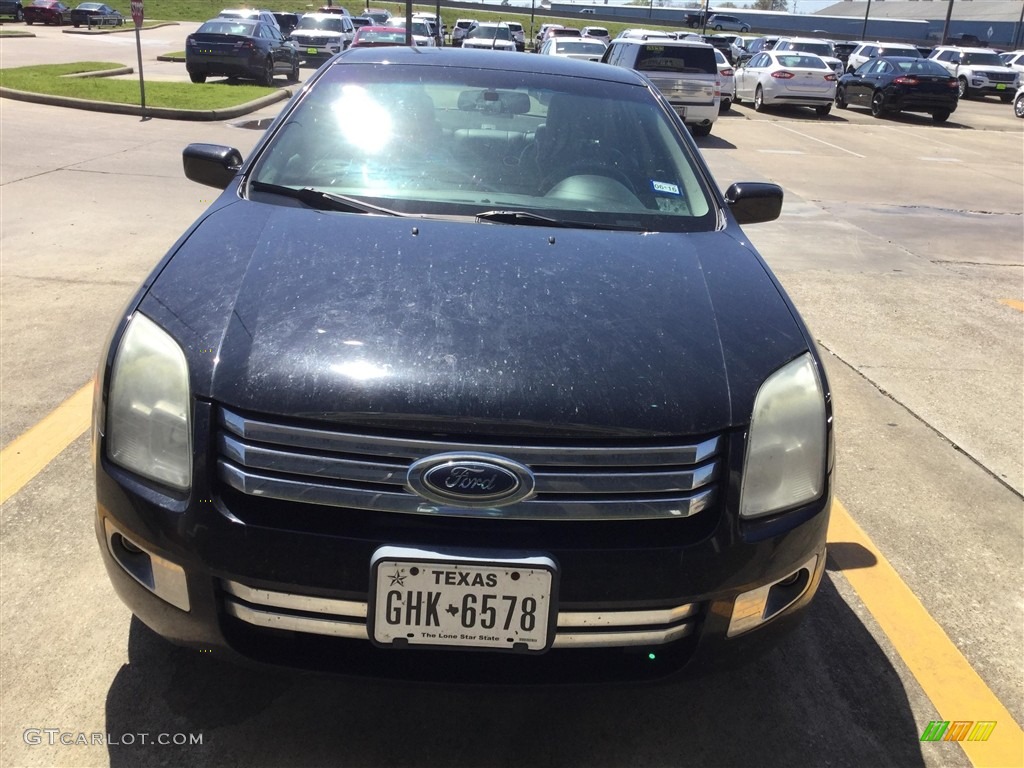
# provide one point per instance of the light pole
(945, 26)
(864, 32)
(533, 7)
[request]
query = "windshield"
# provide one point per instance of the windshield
(982, 59)
(579, 46)
(418, 27)
(329, 24)
(800, 62)
(489, 33)
(822, 49)
(462, 142)
(226, 27)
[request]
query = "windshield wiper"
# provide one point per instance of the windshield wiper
(323, 201)
(535, 220)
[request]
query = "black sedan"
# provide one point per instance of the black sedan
(468, 372)
(96, 13)
(891, 84)
(242, 48)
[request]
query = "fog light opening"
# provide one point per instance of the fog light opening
(752, 609)
(786, 592)
(160, 576)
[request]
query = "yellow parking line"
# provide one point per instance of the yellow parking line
(948, 679)
(1018, 305)
(26, 457)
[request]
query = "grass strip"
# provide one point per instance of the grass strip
(49, 79)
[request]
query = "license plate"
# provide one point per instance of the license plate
(438, 599)
(311, 51)
(1001, 86)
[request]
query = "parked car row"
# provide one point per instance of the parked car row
(693, 72)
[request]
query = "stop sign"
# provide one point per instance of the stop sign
(137, 12)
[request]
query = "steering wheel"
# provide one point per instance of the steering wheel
(592, 167)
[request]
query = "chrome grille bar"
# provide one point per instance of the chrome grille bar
(412, 449)
(347, 618)
(273, 460)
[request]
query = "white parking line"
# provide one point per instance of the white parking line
(782, 151)
(940, 159)
(812, 138)
(931, 140)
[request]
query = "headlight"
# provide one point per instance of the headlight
(785, 463)
(149, 425)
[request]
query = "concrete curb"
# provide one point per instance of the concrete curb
(103, 72)
(167, 57)
(127, 27)
(165, 113)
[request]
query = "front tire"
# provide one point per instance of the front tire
(961, 88)
(941, 116)
(196, 78)
(841, 102)
(1006, 98)
(293, 76)
(1018, 106)
(878, 104)
(701, 130)
(724, 105)
(759, 100)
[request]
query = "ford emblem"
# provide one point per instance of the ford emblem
(470, 480)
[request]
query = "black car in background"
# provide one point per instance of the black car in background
(430, 392)
(242, 48)
(287, 21)
(891, 84)
(12, 8)
(96, 13)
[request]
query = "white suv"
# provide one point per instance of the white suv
(979, 71)
(319, 36)
(822, 48)
(867, 51)
(519, 34)
(461, 28)
(249, 13)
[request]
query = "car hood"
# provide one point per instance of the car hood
(409, 323)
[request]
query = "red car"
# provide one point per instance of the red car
(367, 37)
(47, 12)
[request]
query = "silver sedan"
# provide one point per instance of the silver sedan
(774, 78)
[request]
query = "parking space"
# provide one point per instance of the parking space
(900, 242)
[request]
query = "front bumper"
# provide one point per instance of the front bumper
(636, 600)
(310, 51)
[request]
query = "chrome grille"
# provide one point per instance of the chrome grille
(347, 618)
(271, 459)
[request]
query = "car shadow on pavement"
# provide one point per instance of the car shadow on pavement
(827, 695)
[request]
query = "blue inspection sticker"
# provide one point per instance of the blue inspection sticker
(665, 188)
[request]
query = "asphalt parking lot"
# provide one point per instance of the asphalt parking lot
(901, 241)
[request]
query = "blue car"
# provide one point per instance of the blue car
(240, 48)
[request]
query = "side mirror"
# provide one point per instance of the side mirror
(211, 164)
(754, 202)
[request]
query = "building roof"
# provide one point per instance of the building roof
(929, 10)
